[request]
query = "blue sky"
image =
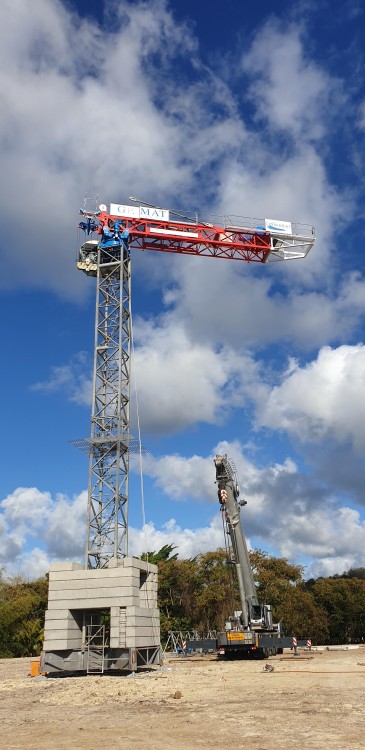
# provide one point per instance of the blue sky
(253, 111)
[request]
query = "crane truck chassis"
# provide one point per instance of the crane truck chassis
(250, 632)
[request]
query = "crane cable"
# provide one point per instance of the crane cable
(139, 443)
(155, 627)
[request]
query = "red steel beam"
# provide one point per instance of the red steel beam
(194, 239)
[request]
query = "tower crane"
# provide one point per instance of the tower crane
(111, 234)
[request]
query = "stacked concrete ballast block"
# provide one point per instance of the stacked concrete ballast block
(127, 589)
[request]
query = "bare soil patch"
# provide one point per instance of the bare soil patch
(191, 704)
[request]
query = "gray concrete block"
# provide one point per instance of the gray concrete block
(136, 642)
(65, 625)
(93, 584)
(114, 641)
(143, 612)
(98, 574)
(143, 622)
(143, 632)
(113, 592)
(148, 595)
(61, 614)
(61, 644)
(65, 566)
(133, 562)
(96, 603)
(115, 611)
(147, 602)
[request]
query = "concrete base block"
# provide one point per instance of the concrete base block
(127, 589)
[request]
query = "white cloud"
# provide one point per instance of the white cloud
(188, 542)
(30, 518)
(287, 513)
(26, 506)
(222, 303)
(334, 538)
(73, 379)
(323, 399)
(31, 565)
(189, 382)
(66, 525)
(188, 142)
(290, 91)
(179, 477)
(64, 141)
(180, 382)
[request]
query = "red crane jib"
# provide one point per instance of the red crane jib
(252, 245)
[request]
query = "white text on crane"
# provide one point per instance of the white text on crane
(139, 212)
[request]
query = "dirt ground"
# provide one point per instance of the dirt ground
(191, 703)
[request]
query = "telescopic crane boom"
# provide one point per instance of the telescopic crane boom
(250, 631)
(253, 613)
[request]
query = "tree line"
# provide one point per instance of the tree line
(201, 593)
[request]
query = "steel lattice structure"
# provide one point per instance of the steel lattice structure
(108, 259)
(107, 512)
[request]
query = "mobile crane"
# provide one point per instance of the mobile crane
(251, 630)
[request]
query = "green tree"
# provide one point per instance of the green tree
(344, 601)
(281, 584)
(22, 608)
(275, 576)
(177, 595)
(217, 595)
(165, 553)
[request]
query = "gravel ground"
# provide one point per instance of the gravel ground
(191, 703)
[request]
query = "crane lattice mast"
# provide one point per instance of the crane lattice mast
(108, 258)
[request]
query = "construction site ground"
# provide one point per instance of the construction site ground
(311, 701)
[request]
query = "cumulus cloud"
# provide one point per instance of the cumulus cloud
(180, 382)
(333, 538)
(29, 518)
(72, 378)
(278, 60)
(322, 399)
(60, 522)
(189, 143)
(189, 382)
(287, 513)
(224, 304)
(63, 141)
(188, 542)
(26, 506)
